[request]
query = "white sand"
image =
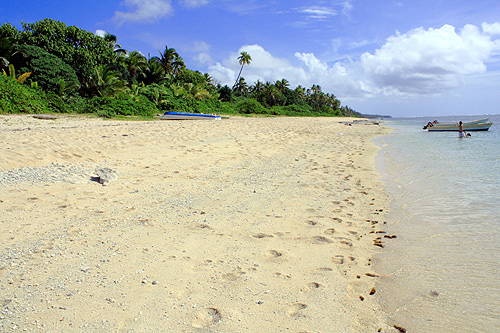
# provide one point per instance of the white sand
(239, 225)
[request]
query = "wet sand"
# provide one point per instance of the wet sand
(238, 225)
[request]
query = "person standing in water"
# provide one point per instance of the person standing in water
(461, 133)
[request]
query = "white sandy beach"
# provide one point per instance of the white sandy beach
(238, 225)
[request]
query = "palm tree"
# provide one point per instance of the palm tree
(196, 91)
(135, 63)
(153, 72)
(113, 45)
(241, 87)
(282, 85)
(301, 93)
(271, 94)
(208, 79)
(170, 60)
(5, 51)
(257, 87)
(243, 59)
(105, 82)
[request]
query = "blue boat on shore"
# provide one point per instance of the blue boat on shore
(186, 116)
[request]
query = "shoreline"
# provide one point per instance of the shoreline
(422, 287)
(243, 224)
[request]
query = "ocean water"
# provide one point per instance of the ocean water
(442, 272)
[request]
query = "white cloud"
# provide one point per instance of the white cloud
(346, 8)
(194, 3)
(339, 79)
(100, 33)
(359, 44)
(316, 12)
(311, 62)
(420, 62)
(492, 29)
(146, 11)
(264, 67)
(225, 75)
(203, 58)
(201, 50)
(427, 61)
(197, 46)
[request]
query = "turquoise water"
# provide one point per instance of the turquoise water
(442, 272)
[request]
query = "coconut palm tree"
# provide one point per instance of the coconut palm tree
(271, 94)
(208, 79)
(257, 87)
(112, 42)
(195, 91)
(301, 93)
(152, 73)
(135, 63)
(170, 60)
(282, 85)
(105, 82)
(8, 38)
(243, 59)
(241, 87)
(5, 51)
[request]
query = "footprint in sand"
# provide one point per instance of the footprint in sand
(203, 226)
(262, 235)
(311, 223)
(329, 231)
(338, 259)
(282, 276)
(206, 317)
(321, 240)
(228, 277)
(311, 286)
(322, 270)
(344, 241)
(296, 310)
(273, 254)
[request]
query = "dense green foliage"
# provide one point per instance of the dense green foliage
(250, 106)
(46, 69)
(19, 98)
(80, 49)
(109, 107)
(52, 67)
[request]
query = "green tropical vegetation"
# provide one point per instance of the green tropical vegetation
(49, 67)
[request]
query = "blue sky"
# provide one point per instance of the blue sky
(403, 58)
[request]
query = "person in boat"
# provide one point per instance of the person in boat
(429, 124)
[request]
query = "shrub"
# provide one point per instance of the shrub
(109, 107)
(227, 108)
(20, 98)
(56, 103)
(226, 94)
(291, 110)
(250, 105)
(76, 104)
(46, 69)
(299, 109)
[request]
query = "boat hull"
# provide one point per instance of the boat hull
(454, 127)
(189, 116)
